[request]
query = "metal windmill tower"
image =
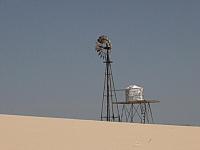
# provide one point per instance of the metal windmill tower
(109, 108)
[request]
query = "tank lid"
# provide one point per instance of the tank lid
(133, 87)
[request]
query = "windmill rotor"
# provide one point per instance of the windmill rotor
(103, 46)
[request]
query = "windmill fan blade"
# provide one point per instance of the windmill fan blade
(99, 40)
(97, 47)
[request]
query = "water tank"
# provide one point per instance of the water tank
(134, 92)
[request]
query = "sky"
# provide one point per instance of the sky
(49, 67)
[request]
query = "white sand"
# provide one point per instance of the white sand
(37, 133)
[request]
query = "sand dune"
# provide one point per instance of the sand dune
(37, 133)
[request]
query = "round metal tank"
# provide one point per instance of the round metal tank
(134, 92)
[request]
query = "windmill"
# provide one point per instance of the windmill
(109, 108)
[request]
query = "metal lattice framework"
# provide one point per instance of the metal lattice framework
(109, 110)
(137, 111)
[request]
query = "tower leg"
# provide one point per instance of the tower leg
(143, 112)
(151, 115)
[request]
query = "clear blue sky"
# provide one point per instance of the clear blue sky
(48, 65)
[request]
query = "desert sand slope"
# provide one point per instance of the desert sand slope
(37, 133)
